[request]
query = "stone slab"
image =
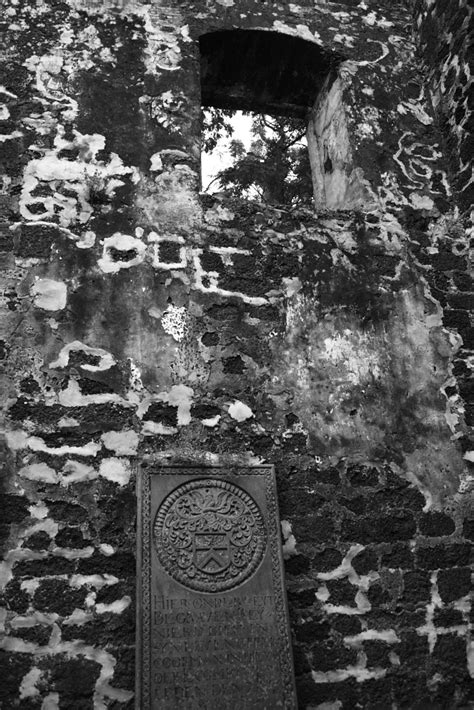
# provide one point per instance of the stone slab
(213, 628)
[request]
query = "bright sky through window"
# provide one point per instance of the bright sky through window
(214, 161)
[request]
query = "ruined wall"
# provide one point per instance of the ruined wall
(144, 322)
(445, 34)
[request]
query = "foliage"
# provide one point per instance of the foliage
(276, 166)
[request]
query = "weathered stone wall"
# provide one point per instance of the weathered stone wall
(142, 321)
(445, 33)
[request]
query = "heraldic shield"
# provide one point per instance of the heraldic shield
(209, 535)
(211, 552)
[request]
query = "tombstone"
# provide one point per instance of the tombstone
(212, 625)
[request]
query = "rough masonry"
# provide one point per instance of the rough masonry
(142, 319)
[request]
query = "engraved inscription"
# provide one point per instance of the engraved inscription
(208, 652)
(209, 535)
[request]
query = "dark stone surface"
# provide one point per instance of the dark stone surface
(71, 537)
(116, 630)
(417, 587)
(39, 634)
(389, 528)
(450, 650)
(124, 671)
(341, 592)
(377, 595)
(16, 599)
(314, 528)
(362, 476)
(399, 556)
(74, 680)
(311, 631)
(441, 556)
(345, 624)
(328, 656)
(14, 667)
(377, 653)
(448, 617)
(436, 524)
(44, 567)
(303, 598)
(297, 564)
(326, 560)
(454, 583)
(57, 596)
(38, 541)
(120, 564)
(14, 509)
(66, 511)
(413, 650)
(365, 561)
(468, 529)
(163, 413)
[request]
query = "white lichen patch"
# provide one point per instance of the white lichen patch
(67, 423)
(16, 439)
(39, 510)
(359, 672)
(240, 411)
(208, 281)
(93, 580)
(40, 472)
(158, 243)
(156, 164)
(70, 183)
(121, 251)
(100, 359)
(302, 31)
(73, 397)
(106, 549)
(174, 322)
(289, 545)
(355, 354)
(121, 442)
(150, 428)
(166, 109)
(421, 202)
(163, 51)
(75, 471)
(35, 443)
(212, 421)
(372, 19)
(116, 607)
(115, 470)
(49, 295)
(28, 686)
(180, 396)
(389, 636)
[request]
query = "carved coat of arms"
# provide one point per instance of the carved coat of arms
(209, 535)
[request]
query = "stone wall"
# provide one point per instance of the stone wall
(143, 322)
(445, 41)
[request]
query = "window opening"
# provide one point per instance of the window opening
(258, 89)
(256, 156)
